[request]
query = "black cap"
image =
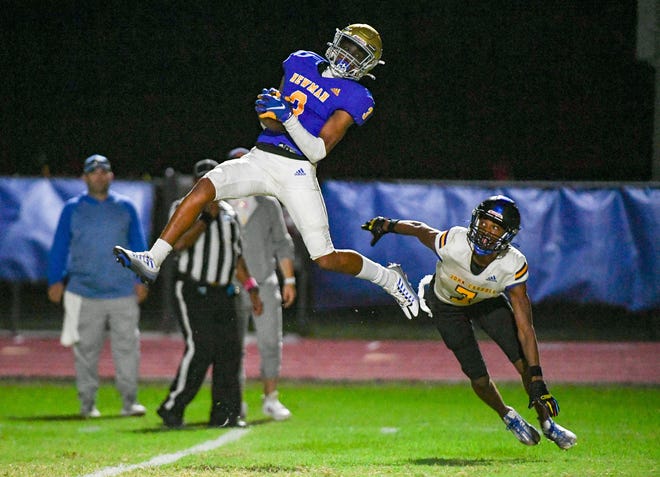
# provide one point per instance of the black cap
(203, 166)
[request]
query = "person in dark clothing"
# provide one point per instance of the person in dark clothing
(209, 254)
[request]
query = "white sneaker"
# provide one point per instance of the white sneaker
(523, 430)
(92, 413)
(403, 292)
(564, 438)
(274, 408)
(135, 410)
(142, 263)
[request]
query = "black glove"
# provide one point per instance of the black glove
(378, 226)
(538, 393)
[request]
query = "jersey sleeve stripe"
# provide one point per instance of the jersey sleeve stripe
(443, 238)
(521, 272)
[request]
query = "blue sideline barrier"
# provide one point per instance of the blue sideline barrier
(29, 211)
(591, 245)
(583, 244)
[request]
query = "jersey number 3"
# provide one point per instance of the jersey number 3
(298, 99)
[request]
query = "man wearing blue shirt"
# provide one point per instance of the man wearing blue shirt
(95, 294)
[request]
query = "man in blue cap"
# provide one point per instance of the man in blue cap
(95, 294)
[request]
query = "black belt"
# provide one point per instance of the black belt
(205, 288)
(279, 150)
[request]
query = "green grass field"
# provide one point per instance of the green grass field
(374, 429)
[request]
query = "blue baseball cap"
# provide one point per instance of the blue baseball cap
(96, 161)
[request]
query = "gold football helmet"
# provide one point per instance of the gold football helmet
(355, 51)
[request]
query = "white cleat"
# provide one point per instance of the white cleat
(564, 438)
(136, 410)
(403, 292)
(142, 263)
(274, 408)
(523, 430)
(91, 413)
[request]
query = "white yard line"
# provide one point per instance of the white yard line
(164, 459)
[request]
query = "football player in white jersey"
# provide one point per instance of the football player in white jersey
(319, 99)
(480, 278)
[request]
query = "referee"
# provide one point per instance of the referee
(209, 254)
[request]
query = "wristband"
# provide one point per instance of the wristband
(535, 371)
(206, 218)
(391, 224)
(290, 281)
(250, 284)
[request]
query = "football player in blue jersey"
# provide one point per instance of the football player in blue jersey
(320, 97)
(480, 277)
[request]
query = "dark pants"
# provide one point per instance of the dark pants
(455, 324)
(207, 316)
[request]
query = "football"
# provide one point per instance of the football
(272, 124)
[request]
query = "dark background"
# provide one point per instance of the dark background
(470, 90)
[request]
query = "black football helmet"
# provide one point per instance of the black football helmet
(499, 209)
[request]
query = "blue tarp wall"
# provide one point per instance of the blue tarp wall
(584, 244)
(595, 245)
(29, 212)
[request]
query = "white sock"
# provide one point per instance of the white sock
(159, 251)
(376, 273)
(272, 395)
(546, 424)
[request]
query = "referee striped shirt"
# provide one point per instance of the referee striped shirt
(212, 259)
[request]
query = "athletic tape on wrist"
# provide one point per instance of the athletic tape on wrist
(250, 284)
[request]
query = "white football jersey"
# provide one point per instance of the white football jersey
(455, 283)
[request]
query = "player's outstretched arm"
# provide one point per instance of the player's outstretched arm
(379, 226)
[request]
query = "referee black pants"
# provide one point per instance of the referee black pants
(207, 317)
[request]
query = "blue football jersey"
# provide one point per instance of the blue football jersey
(315, 98)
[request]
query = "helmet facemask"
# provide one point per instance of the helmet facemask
(484, 242)
(502, 211)
(355, 51)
